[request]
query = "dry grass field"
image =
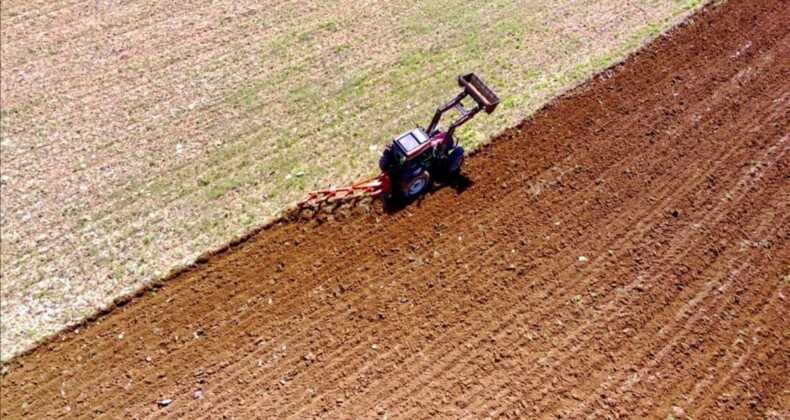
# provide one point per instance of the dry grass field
(138, 134)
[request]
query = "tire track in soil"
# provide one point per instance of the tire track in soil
(666, 341)
(581, 189)
(771, 375)
(733, 203)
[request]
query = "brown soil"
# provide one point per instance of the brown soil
(623, 252)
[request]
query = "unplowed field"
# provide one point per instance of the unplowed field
(622, 253)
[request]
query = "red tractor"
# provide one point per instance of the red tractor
(413, 159)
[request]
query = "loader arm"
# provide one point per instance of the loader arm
(475, 88)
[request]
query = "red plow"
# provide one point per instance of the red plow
(373, 188)
(412, 160)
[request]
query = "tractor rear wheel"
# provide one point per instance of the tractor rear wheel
(387, 158)
(415, 185)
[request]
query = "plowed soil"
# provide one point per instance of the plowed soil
(622, 253)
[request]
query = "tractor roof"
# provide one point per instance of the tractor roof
(412, 140)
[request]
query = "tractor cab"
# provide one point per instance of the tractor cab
(412, 144)
(412, 150)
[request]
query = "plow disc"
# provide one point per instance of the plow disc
(373, 188)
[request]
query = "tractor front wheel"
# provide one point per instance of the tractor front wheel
(416, 185)
(455, 159)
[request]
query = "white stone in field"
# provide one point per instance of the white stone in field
(583, 259)
(373, 147)
(179, 149)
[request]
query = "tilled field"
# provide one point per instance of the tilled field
(622, 253)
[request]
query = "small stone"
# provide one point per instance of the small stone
(374, 346)
(678, 412)
(582, 258)
(164, 403)
(198, 394)
(148, 359)
(373, 147)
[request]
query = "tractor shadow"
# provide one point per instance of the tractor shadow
(459, 183)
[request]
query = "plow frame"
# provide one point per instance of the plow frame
(373, 188)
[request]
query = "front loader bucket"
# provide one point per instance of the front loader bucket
(479, 91)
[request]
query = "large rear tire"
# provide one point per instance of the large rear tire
(415, 185)
(387, 158)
